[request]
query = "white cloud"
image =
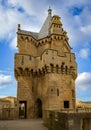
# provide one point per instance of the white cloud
(8, 71)
(83, 81)
(84, 53)
(5, 80)
(86, 30)
(11, 17)
(78, 27)
(9, 20)
(31, 7)
(2, 96)
(13, 43)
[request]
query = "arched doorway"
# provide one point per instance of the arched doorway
(39, 108)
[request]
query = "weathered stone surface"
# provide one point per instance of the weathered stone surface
(67, 121)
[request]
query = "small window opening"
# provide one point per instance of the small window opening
(57, 92)
(51, 90)
(66, 104)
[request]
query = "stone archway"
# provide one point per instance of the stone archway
(39, 108)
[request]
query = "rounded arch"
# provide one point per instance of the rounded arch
(20, 70)
(39, 108)
(26, 39)
(26, 71)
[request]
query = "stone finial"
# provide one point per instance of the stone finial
(49, 11)
(65, 33)
(56, 20)
(19, 26)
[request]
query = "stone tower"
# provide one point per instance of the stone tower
(45, 69)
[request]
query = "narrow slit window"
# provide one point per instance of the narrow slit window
(57, 92)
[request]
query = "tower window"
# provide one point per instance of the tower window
(57, 92)
(51, 90)
(66, 104)
(22, 60)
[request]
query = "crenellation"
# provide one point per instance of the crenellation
(50, 68)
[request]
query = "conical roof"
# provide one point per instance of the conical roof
(45, 31)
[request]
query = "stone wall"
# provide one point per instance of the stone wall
(67, 121)
(8, 113)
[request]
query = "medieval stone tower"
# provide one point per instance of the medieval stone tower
(45, 69)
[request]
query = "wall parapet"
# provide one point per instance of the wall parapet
(67, 121)
(27, 65)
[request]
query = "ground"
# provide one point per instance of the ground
(35, 124)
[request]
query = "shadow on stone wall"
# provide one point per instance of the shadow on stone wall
(67, 121)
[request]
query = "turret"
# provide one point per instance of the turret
(56, 25)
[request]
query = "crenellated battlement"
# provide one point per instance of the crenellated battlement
(26, 37)
(39, 66)
(27, 72)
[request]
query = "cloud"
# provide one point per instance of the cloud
(13, 43)
(7, 71)
(84, 53)
(13, 15)
(83, 81)
(86, 30)
(5, 80)
(77, 22)
(29, 6)
(77, 26)
(10, 18)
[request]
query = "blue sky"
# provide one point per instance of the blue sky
(76, 18)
